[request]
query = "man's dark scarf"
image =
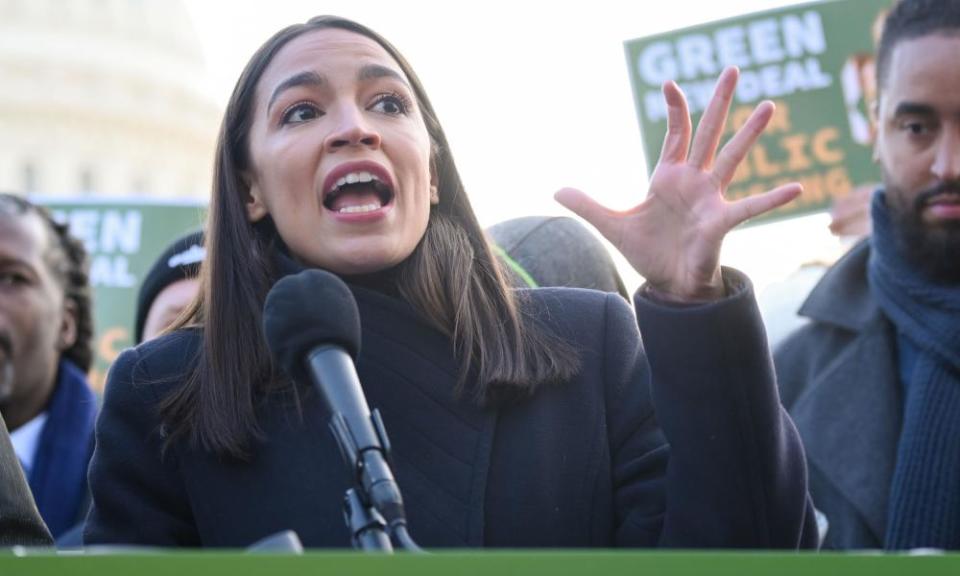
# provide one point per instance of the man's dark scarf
(924, 506)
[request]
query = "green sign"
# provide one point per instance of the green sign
(123, 238)
(815, 61)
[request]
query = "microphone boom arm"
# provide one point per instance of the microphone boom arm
(375, 501)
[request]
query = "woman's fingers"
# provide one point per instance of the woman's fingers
(751, 206)
(710, 128)
(602, 218)
(736, 149)
(677, 140)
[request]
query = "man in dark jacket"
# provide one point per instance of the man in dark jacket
(873, 381)
(45, 352)
(20, 523)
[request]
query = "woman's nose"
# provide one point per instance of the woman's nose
(352, 129)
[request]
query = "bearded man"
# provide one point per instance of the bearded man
(873, 381)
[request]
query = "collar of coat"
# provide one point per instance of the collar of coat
(842, 297)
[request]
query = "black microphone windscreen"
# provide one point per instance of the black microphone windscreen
(306, 310)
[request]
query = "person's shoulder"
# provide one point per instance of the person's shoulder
(173, 346)
(839, 306)
(576, 301)
(577, 313)
(795, 347)
(804, 354)
(157, 364)
(842, 295)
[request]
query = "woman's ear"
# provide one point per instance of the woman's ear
(256, 208)
(434, 189)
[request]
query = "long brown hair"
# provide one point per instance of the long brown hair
(452, 278)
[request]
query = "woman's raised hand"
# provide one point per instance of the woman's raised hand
(673, 237)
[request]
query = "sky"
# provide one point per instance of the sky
(534, 95)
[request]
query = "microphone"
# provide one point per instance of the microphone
(312, 328)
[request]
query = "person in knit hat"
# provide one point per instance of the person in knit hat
(169, 286)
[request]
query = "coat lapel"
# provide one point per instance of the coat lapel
(850, 416)
(441, 439)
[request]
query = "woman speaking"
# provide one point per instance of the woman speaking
(518, 418)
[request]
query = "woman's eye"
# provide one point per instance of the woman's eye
(299, 113)
(392, 104)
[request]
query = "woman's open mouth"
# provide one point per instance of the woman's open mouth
(358, 192)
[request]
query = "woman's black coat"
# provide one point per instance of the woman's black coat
(581, 463)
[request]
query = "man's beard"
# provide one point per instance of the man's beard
(934, 249)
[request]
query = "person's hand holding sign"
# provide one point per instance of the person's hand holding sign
(673, 237)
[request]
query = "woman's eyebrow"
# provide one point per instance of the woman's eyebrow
(299, 79)
(374, 71)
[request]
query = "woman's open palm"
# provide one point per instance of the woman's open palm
(673, 237)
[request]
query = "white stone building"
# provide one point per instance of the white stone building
(104, 97)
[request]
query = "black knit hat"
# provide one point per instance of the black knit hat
(181, 260)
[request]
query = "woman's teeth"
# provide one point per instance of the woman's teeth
(354, 178)
(359, 209)
(358, 192)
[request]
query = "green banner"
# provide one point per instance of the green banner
(485, 563)
(815, 61)
(123, 238)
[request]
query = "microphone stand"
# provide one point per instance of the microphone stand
(373, 507)
(367, 526)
